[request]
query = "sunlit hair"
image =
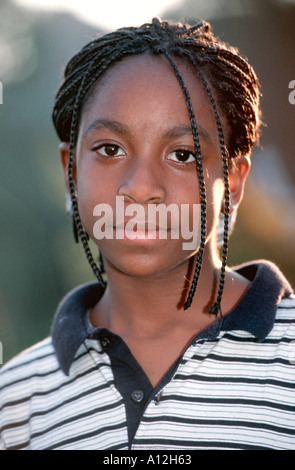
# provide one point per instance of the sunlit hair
(228, 79)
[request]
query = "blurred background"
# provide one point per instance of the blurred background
(38, 257)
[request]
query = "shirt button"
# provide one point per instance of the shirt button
(137, 395)
(105, 343)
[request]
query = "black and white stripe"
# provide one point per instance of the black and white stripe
(227, 393)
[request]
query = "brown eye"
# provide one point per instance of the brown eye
(182, 156)
(110, 150)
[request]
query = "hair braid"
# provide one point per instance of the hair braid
(215, 308)
(76, 217)
(201, 181)
(90, 76)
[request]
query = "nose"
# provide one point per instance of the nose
(143, 183)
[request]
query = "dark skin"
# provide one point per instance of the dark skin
(130, 132)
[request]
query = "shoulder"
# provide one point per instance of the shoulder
(287, 306)
(279, 344)
(36, 359)
(19, 376)
(24, 380)
(285, 317)
(22, 376)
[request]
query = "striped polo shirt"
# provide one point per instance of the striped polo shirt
(233, 387)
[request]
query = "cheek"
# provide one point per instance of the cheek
(215, 193)
(90, 192)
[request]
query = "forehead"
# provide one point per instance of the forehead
(144, 90)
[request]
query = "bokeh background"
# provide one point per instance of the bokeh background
(38, 257)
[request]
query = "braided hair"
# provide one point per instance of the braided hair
(220, 68)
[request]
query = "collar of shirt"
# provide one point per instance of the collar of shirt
(255, 313)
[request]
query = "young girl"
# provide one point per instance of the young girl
(170, 349)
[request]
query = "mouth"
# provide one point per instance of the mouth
(141, 231)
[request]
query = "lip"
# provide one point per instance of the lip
(144, 233)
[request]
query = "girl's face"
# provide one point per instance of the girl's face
(135, 141)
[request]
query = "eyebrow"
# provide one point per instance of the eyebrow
(173, 133)
(185, 129)
(114, 126)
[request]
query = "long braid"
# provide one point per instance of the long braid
(90, 77)
(201, 181)
(215, 308)
(77, 221)
(232, 78)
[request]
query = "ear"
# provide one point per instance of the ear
(64, 157)
(237, 175)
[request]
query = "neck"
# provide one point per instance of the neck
(147, 311)
(155, 303)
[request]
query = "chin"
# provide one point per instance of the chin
(146, 266)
